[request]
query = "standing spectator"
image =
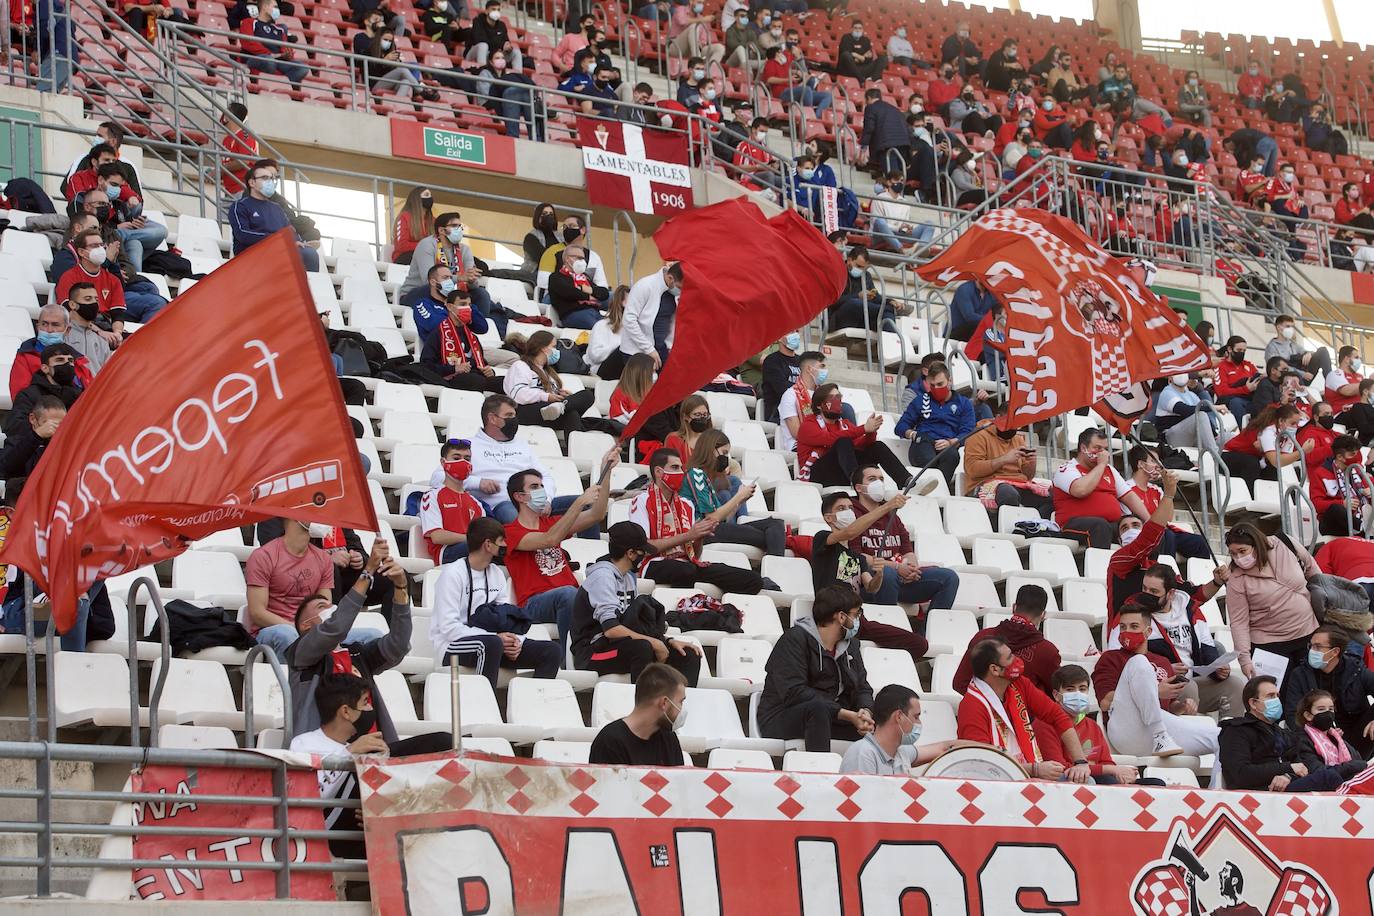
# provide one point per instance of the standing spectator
(1023, 633)
(1003, 68)
(1331, 668)
(1192, 100)
(447, 511)
(858, 58)
(935, 422)
(960, 51)
(255, 216)
(885, 138)
(999, 469)
(830, 448)
(1247, 143)
(1266, 596)
(465, 612)
(888, 543)
(1237, 379)
(415, 222)
(648, 735)
(816, 687)
(57, 52)
(488, 35)
(1343, 382)
(650, 311)
(1251, 86)
(242, 146)
(1000, 707)
(780, 370)
(275, 56)
(1258, 755)
(1088, 494)
(282, 576)
(1288, 343)
(537, 388)
(602, 641)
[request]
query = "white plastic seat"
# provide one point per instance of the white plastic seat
(745, 435)
(935, 548)
(1053, 561)
(1086, 599)
(890, 614)
(415, 461)
(397, 396)
(797, 500)
(586, 449)
(544, 442)
(793, 576)
(27, 245)
(489, 745)
(743, 660)
(567, 480)
(269, 708)
(950, 630)
(1095, 560)
(197, 692)
(726, 758)
(611, 700)
(938, 722)
(998, 554)
(967, 520)
(761, 620)
(563, 751)
(942, 679)
(478, 713)
(92, 688)
(725, 406)
(196, 736)
(713, 721)
(19, 296)
(890, 666)
(408, 426)
(976, 592)
(15, 322)
(547, 705)
(767, 469)
(1071, 636)
(464, 411)
(1016, 583)
(352, 248)
(811, 762)
(395, 694)
(211, 577)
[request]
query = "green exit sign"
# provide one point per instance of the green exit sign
(455, 146)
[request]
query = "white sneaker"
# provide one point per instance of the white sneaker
(1164, 746)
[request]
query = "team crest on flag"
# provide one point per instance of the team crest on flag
(628, 167)
(1223, 870)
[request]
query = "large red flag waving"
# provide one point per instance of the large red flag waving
(747, 281)
(1081, 327)
(221, 412)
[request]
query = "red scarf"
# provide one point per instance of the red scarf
(667, 520)
(449, 346)
(1020, 723)
(803, 398)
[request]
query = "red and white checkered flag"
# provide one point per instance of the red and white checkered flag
(1161, 892)
(1300, 893)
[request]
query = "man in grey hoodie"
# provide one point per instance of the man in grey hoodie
(600, 642)
(816, 687)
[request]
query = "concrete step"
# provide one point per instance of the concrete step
(20, 881)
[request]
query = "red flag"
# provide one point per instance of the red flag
(220, 413)
(629, 167)
(747, 281)
(1080, 326)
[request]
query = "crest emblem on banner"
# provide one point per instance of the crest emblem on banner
(1223, 870)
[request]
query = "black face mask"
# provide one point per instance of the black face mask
(1324, 721)
(427, 202)
(1326, 422)
(88, 310)
(102, 213)
(64, 374)
(722, 462)
(1008, 434)
(548, 222)
(570, 235)
(699, 424)
(500, 558)
(510, 428)
(366, 721)
(1237, 356)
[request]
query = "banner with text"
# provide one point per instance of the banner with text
(629, 167)
(523, 837)
(220, 844)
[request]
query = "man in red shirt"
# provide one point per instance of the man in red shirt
(1052, 124)
(538, 565)
(1251, 86)
(1088, 494)
(1146, 475)
(1237, 379)
(1340, 497)
(753, 160)
(92, 266)
(1022, 633)
(1139, 690)
(52, 329)
(1251, 183)
(1283, 193)
(999, 709)
(1071, 687)
(1139, 548)
(244, 146)
(944, 90)
(447, 510)
(1320, 433)
(1343, 382)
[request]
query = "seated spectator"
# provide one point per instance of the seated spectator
(816, 687)
(1063, 82)
(603, 640)
(109, 136)
(648, 735)
(442, 23)
(795, 402)
(264, 42)
(489, 35)
(497, 454)
(1237, 379)
(282, 576)
(453, 352)
(967, 180)
(901, 52)
(785, 76)
(93, 263)
(537, 388)
(1358, 418)
(717, 494)
(650, 314)
(1249, 145)
(1192, 100)
(647, 116)
(1284, 195)
(1003, 68)
(242, 146)
(430, 308)
(694, 419)
(1147, 472)
(935, 422)
(52, 330)
(539, 239)
(887, 544)
(446, 511)
(1343, 382)
(379, 62)
(999, 470)
(89, 341)
(1342, 501)
(967, 115)
(1052, 126)
(24, 448)
(741, 45)
(781, 368)
(732, 133)
(942, 90)
(894, 227)
(960, 51)
(1141, 694)
(1350, 558)
(1283, 104)
(884, 140)
(255, 216)
(890, 749)
(1288, 343)
(55, 378)
(126, 209)
(1088, 494)
(1182, 636)
(573, 295)
(477, 626)
(830, 448)
(1072, 690)
(689, 33)
(1352, 210)
(999, 708)
(575, 40)
(1320, 432)
(1024, 634)
(1321, 743)
(1332, 667)
(857, 56)
(603, 347)
(1251, 86)
(676, 534)
(861, 305)
(753, 163)
(1116, 87)
(972, 301)
(446, 247)
(1258, 754)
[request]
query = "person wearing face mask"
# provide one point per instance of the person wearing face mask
(901, 52)
(1023, 633)
(498, 453)
(967, 115)
(1237, 379)
(861, 305)
(1181, 635)
(602, 640)
(1071, 688)
(540, 238)
(572, 294)
(1175, 415)
(265, 44)
(959, 51)
(446, 247)
(56, 377)
(754, 166)
(1251, 86)
(1004, 67)
(1052, 126)
(780, 371)
(1288, 343)
(1338, 492)
(830, 448)
(650, 314)
(1259, 755)
(713, 487)
(1343, 382)
(999, 469)
(694, 419)
(795, 402)
(446, 511)
(936, 422)
(1146, 473)
(280, 575)
(891, 749)
(1333, 667)
(942, 90)
(816, 687)
(1321, 743)
(1192, 100)
(1284, 194)
(648, 735)
(857, 56)
(786, 79)
(428, 309)
(1064, 84)
(572, 231)
(442, 23)
(89, 341)
(1000, 707)
(474, 622)
(689, 33)
(888, 544)
(1267, 603)
(1353, 211)
(1321, 433)
(415, 222)
(489, 35)
(255, 215)
(742, 44)
(537, 389)
(453, 353)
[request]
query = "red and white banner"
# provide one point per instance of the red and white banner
(830, 209)
(223, 411)
(1081, 324)
(628, 167)
(503, 836)
(181, 785)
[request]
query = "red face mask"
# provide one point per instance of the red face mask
(464, 314)
(832, 407)
(1014, 670)
(459, 469)
(673, 480)
(940, 395)
(1132, 641)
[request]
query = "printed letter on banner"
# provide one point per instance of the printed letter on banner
(629, 167)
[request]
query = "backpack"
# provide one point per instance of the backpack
(354, 358)
(702, 612)
(646, 616)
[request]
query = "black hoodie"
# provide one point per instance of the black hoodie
(799, 671)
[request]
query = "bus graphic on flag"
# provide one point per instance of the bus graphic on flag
(628, 167)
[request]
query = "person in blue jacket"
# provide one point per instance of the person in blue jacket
(971, 302)
(255, 216)
(935, 421)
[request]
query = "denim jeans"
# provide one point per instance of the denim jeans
(1268, 147)
(582, 319)
(481, 301)
(280, 636)
(310, 258)
(136, 240)
(806, 95)
(936, 585)
(454, 552)
(56, 67)
(554, 606)
(884, 231)
(292, 71)
(517, 105)
(142, 301)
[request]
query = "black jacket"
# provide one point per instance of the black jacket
(799, 671)
(18, 458)
(1001, 72)
(18, 418)
(1254, 752)
(566, 298)
(1351, 683)
(493, 33)
(779, 374)
(1308, 756)
(884, 127)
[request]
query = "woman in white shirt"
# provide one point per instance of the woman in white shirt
(1279, 450)
(537, 389)
(603, 347)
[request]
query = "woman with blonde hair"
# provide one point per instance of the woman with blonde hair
(694, 418)
(603, 348)
(415, 222)
(713, 491)
(635, 382)
(537, 389)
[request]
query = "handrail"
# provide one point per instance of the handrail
(155, 694)
(627, 217)
(288, 726)
(1362, 479)
(1294, 493)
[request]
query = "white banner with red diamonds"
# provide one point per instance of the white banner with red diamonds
(505, 836)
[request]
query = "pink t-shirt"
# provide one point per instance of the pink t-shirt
(288, 579)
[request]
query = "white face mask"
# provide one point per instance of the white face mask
(1179, 381)
(844, 518)
(494, 15)
(876, 491)
(1129, 535)
(579, 266)
(681, 719)
(1288, 332)
(319, 530)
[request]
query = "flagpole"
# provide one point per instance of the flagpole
(1186, 504)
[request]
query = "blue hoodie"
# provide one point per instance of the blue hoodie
(933, 420)
(968, 307)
